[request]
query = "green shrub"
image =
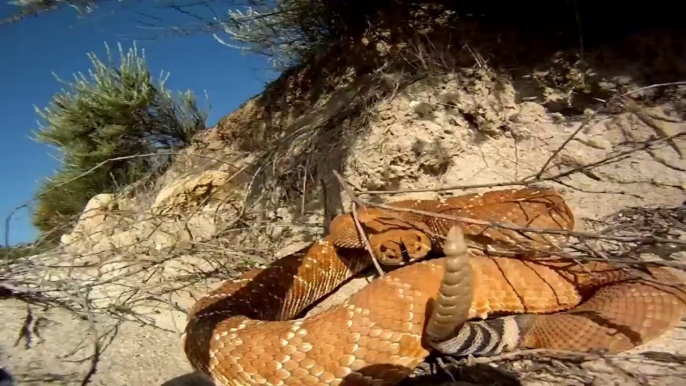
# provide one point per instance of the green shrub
(23, 250)
(114, 112)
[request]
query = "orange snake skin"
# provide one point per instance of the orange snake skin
(246, 331)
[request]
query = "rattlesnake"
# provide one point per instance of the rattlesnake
(243, 333)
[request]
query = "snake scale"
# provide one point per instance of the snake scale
(474, 298)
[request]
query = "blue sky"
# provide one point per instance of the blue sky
(31, 50)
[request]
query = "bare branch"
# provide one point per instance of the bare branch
(360, 230)
(590, 117)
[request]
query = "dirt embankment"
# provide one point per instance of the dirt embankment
(258, 185)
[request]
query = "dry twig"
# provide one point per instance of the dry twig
(662, 130)
(590, 117)
(589, 235)
(360, 230)
(532, 180)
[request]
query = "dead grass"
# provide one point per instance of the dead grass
(298, 133)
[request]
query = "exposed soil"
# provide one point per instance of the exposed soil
(458, 125)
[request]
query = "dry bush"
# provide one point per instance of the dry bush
(297, 133)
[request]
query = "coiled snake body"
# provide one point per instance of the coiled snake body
(243, 333)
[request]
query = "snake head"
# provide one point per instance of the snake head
(400, 246)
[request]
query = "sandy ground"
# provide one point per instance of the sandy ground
(138, 355)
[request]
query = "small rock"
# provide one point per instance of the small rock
(386, 115)
(422, 108)
(449, 98)
(599, 143)
(530, 112)
(596, 142)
